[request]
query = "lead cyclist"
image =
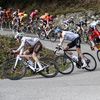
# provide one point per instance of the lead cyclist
(32, 46)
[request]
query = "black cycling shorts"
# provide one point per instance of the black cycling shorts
(97, 40)
(76, 43)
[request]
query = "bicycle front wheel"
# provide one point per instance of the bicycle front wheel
(50, 69)
(91, 62)
(98, 55)
(11, 73)
(53, 37)
(42, 34)
(64, 64)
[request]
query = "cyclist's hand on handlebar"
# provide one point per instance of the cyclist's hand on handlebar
(59, 47)
(92, 48)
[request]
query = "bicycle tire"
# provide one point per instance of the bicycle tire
(63, 64)
(88, 61)
(11, 74)
(53, 37)
(42, 35)
(51, 70)
(98, 55)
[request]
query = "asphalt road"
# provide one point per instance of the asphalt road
(80, 85)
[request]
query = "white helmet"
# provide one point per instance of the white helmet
(19, 35)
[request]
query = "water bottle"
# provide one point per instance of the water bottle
(75, 58)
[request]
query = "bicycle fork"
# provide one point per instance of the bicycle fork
(17, 58)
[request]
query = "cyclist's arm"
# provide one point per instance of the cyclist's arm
(61, 40)
(21, 46)
(91, 38)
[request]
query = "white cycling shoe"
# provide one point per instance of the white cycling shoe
(84, 64)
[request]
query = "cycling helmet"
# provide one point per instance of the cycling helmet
(19, 35)
(72, 17)
(57, 30)
(93, 17)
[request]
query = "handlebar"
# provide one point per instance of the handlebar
(58, 48)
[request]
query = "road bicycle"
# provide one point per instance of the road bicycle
(66, 64)
(16, 68)
(98, 51)
(47, 33)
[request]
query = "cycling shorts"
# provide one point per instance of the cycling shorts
(97, 40)
(36, 48)
(76, 43)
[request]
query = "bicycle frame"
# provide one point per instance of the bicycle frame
(34, 67)
(65, 53)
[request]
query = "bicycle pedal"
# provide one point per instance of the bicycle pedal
(13, 69)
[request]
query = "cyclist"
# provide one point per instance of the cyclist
(16, 21)
(33, 16)
(47, 22)
(80, 25)
(68, 23)
(75, 41)
(32, 46)
(70, 20)
(47, 19)
(94, 37)
(94, 22)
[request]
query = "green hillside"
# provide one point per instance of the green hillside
(52, 6)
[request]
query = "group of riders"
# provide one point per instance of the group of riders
(30, 46)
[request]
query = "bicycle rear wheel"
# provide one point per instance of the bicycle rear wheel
(91, 62)
(98, 55)
(50, 69)
(11, 73)
(64, 64)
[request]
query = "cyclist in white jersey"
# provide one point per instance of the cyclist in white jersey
(75, 41)
(32, 46)
(94, 22)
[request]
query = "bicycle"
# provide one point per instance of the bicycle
(97, 45)
(48, 32)
(65, 63)
(18, 71)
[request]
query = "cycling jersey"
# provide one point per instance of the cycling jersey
(27, 41)
(95, 34)
(94, 23)
(46, 18)
(68, 35)
(74, 38)
(20, 14)
(9, 13)
(33, 14)
(81, 23)
(68, 21)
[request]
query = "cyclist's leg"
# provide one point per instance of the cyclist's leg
(71, 45)
(78, 49)
(27, 55)
(36, 49)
